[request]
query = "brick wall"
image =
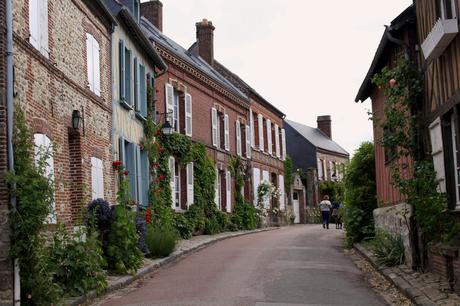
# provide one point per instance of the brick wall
(6, 269)
(48, 90)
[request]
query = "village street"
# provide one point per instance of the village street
(296, 265)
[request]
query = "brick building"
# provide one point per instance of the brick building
(62, 72)
(134, 66)
(199, 103)
(318, 156)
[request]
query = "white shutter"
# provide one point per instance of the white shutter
(277, 141)
(269, 136)
(251, 122)
(437, 153)
(43, 28)
(227, 133)
(228, 185)
(248, 142)
(324, 170)
(256, 182)
(97, 178)
(90, 61)
(238, 137)
(331, 170)
(34, 32)
(190, 178)
(214, 127)
(261, 132)
(216, 189)
(266, 178)
(283, 142)
(96, 68)
(169, 96)
(188, 115)
(172, 171)
(320, 169)
(282, 196)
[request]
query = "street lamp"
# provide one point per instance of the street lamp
(76, 119)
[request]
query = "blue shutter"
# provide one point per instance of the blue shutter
(131, 167)
(121, 150)
(128, 86)
(136, 84)
(121, 63)
(145, 179)
(138, 174)
(142, 91)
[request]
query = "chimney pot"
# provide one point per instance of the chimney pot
(205, 40)
(153, 11)
(324, 124)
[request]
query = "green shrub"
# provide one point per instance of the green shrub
(196, 217)
(78, 262)
(160, 240)
(212, 225)
(388, 250)
(123, 254)
(245, 216)
(183, 226)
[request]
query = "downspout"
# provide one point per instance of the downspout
(9, 112)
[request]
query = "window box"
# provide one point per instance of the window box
(442, 34)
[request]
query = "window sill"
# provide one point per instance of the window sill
(126, 105)
(140, 117)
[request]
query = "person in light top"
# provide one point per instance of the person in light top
(325, 207)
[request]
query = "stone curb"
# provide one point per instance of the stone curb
(126, 280)
(412, 293)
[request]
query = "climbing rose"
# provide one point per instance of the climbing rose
(392, 82)
(125, 172)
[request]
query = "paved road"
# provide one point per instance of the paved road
(293, 266)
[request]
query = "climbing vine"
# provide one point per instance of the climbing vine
(417, 180)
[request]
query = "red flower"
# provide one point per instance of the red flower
(125, 172)
(158, 133)
(162, 149)
(117, 163)
(147, 216)
(161, 177)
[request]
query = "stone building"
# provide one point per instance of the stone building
(314, 153)
(135, 63)
(200, 103)
(62, 75)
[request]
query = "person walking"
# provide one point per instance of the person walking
(325, 207)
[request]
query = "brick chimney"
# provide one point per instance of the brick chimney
(153, 11)
(205, 40)
(324, 124)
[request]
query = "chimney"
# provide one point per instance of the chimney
(324, 124)
(205, 40)
(153, 11)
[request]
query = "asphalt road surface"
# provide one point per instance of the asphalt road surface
(292, 266)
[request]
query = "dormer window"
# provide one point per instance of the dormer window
(136, 10)
(447, 9)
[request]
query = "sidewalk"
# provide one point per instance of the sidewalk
(183, 248)
(425, 289)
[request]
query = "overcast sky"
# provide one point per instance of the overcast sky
(306, 57)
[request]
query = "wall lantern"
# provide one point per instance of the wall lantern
(166, 128)
(76, 119)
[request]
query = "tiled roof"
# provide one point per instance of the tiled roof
(316, 137)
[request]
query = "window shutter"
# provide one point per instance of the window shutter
(226, 133)
(96, 68)
(216, 189)
(169, 96)
(121, 63)
(320, 169)
(283, 142)
(190, 186)
(256, 182)
(277, 141)
(228, 185)
(131, 166)
(90, 61)
(251, 124)
(172, 172)
(188, 115)
(43, 27)
(269, 136)
(324, 170)
(139, 185)
(128, 94)
(266, 178)
(261, 132)
(34, 31)
(121, 150)
(136, 84)
(97, 178)
(238, 137)
(248, 142)
(437, 153)
(143, 91)
(281, 187)
(214, 126)
(145, 179)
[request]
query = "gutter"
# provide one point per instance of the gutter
(9, 112)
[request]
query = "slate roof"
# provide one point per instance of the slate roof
(316, 137)
(159, 38)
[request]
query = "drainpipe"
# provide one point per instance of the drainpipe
(9, 110)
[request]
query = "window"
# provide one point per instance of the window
(190, 182)
(276, 134)
(38, 25)
(320, 169)
(260, 124)
(446, 9)
(238, 138)
(220, 129)
(44, 157)
(176, 198)
(295, 195)
(97, 179)
(93, 64)
(218, 190)
(124, 64)
(136, 10)
(175, 122)
(228, 191)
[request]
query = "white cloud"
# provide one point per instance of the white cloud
(306, 57)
